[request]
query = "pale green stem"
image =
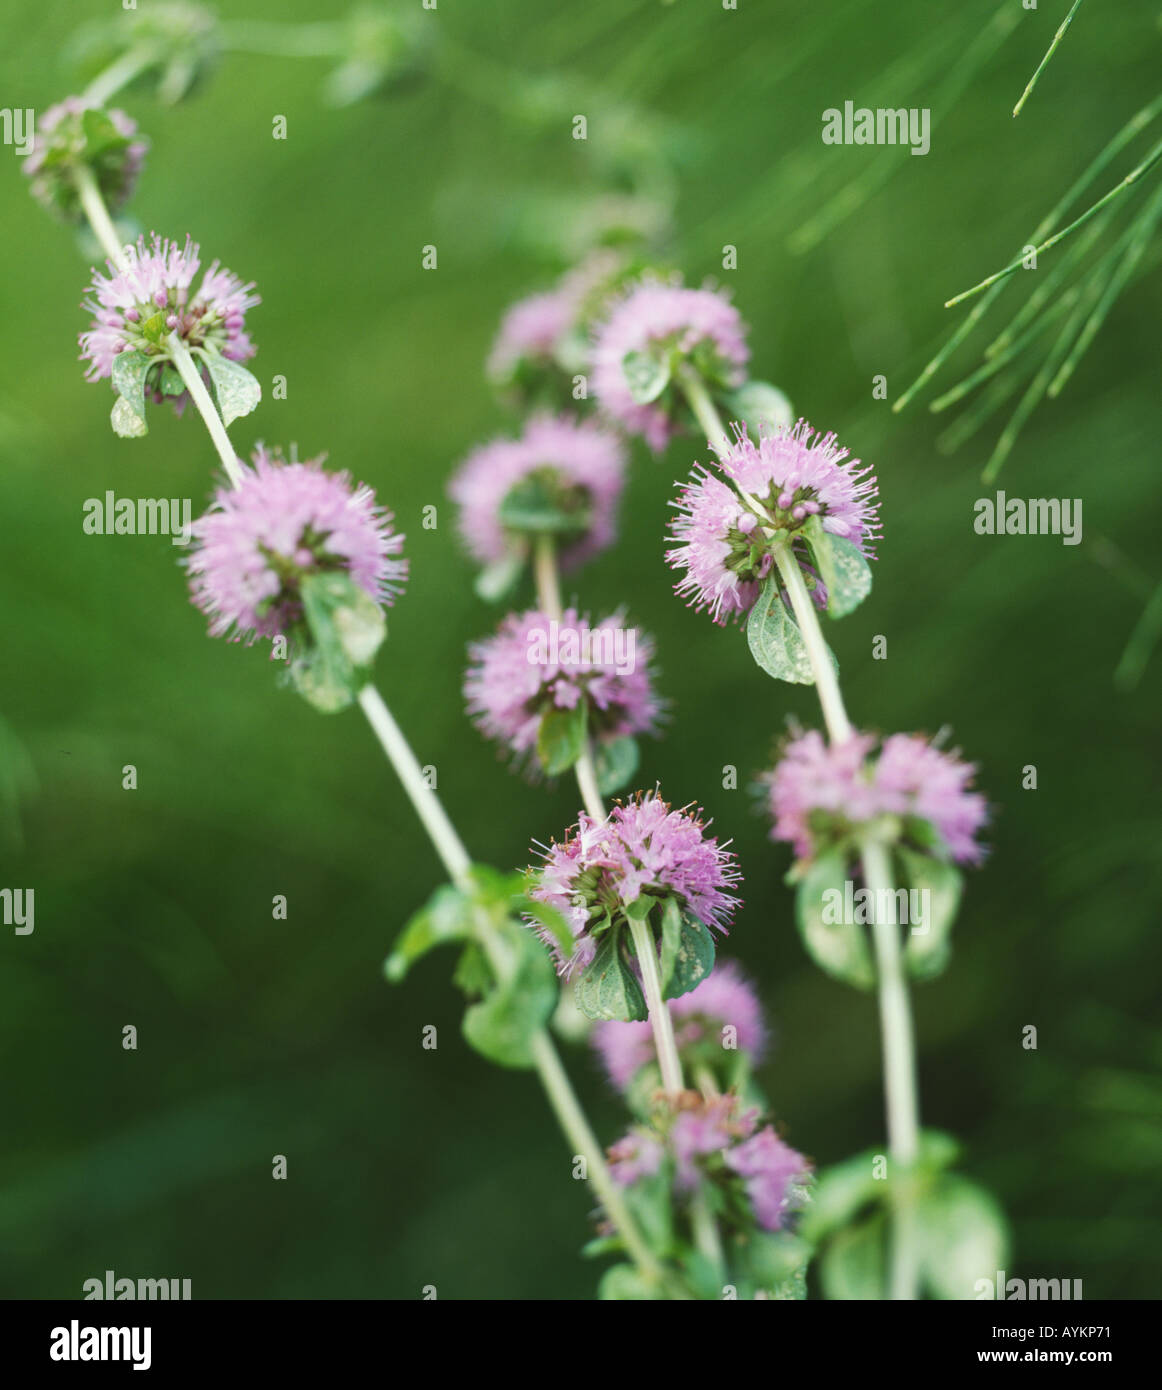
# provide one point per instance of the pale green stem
(705, 411)
(826, 681)
(93, 206)
(895, 1010)
(117, 75)
(899, 1058)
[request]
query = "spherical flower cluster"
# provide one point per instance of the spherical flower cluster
(642, 847)
(73, 135)
(136, 309)
(529, 334)
(725, 998)
(534, 663)
(545, 333)
(696, 327)
(570, 472)
(723, 541)
(715, 1139)
(820, 792)
(258, 541)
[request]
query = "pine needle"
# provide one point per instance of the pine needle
(1045, 61)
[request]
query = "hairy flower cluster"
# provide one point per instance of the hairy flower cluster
(544, 334)
(136, 309)
(722, 541)
(258, 541)
(642, 847)
(819, 792)
(724, 999)
(570, 472)
(715, 1139)
(699, 330)
(74, 135)
(534, 663)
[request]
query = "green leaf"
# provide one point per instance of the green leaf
(623, 1283)
(759, 406)
(651, 1203)
(607, 988)
(497, 580)
(693, 958)
(774, 638)
(101, 135)
(551, 921)
(347, 628)
(154, 327)
(446, 916)
(646, 376)
(125, 420)
(840, 1192)
(170, 382)
(539, 503)
(964, 1237)
(839, 948)
(842, 568)
(926, 951)
(129, 372)
(616, 761)
(853, 1265)
(561, 737)
(502, 1026)
(473, 975)
(236, 389)
(777, 1263)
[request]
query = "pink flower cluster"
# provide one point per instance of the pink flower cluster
(820, 791)
(285, 520)
(723, 544)
(772, 1173)
(583, 465)
(699, 326)
(137, 308)
(534, 663)
(641, 847)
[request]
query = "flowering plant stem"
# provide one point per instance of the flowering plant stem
(705, 1227)
(427, 805)
(97, 213)
(897, 1038)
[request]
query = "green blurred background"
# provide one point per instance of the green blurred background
(153, 907)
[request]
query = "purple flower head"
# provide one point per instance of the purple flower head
(699, 330)
(73, 135)
(561, 475)
(258, 541)
(773, 1174)
(819, 793)
(642, 847)
(529, 334)
(722, 541)
(137, 309)
(533, 664)
(714, 1140)
(724, 999)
